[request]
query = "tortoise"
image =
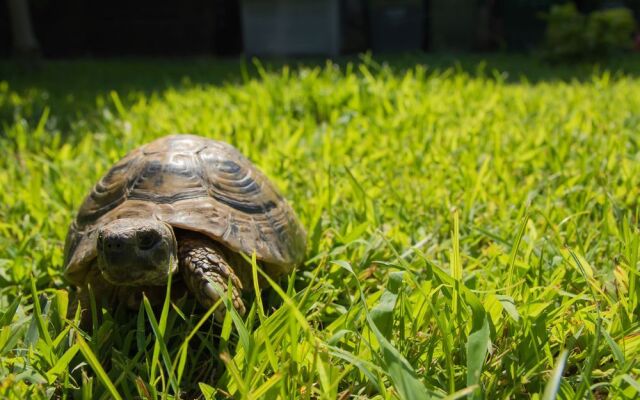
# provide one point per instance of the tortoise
(186, 206)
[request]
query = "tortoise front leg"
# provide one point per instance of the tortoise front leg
(204, 265)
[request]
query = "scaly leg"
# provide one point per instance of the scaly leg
(203, 266)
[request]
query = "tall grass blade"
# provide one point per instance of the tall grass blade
(477, 349)
(551, 390)
(97, 367)
(511, 278)
(161, 345)
(382, 313)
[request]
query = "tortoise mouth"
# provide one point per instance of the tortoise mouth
(137, 277)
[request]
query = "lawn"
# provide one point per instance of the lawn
(472, 229)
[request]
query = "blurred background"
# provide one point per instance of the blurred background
(559, 30)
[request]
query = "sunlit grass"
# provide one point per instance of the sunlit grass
(469, 234)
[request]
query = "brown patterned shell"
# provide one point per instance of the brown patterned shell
(196, 184)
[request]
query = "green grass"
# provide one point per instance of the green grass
(473, 231)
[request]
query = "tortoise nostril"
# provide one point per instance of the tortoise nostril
(112, 244)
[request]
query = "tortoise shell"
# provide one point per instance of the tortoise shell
(196, 184)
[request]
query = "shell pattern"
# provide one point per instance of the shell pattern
(196, 184)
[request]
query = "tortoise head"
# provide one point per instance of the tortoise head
(137, 251)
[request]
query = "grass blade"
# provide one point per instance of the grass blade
(97, 367)
(514, 254)
(7, 316)
(161, 346)
(42, 327)
(400, 371)
(62, 363)
(382, 313)
(551, 390)
(477, 349)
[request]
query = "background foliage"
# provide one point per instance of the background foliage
(572, 36)
(472, 231)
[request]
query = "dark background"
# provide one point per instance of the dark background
(80, 28)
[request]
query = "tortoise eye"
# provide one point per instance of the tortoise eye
(147, 240)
